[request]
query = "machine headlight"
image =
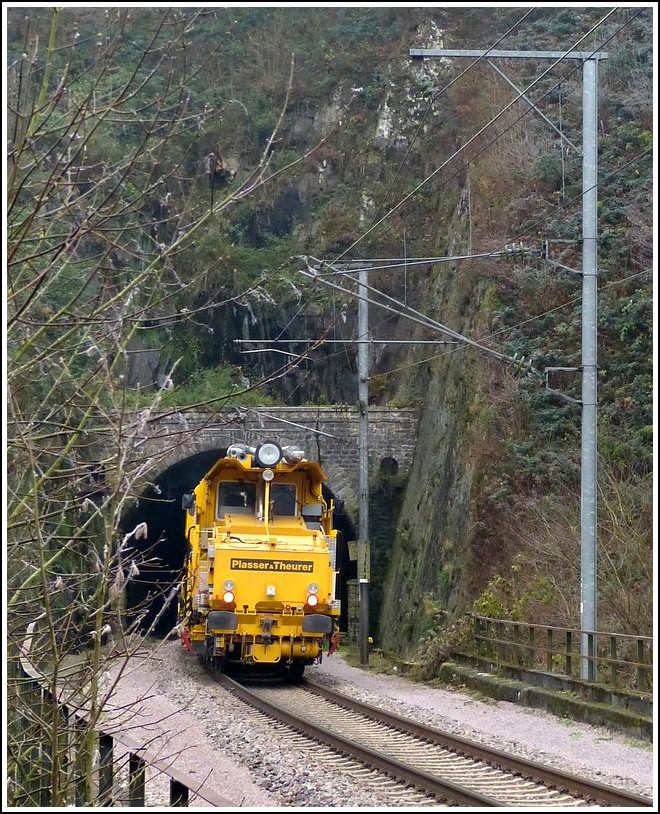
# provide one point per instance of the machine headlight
(312, 600)
(228, 597)
(229, 585)
(268, 454)
(312, 588)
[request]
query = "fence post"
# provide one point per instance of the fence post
(78, 732)
(63, 758)
(29, 768)
(178, 793)
(641, 668)
(613, 665)
(136, 772)
(532, 651)
(569, 645)
(549, 652)
(515, 639)
(45, 762)
(500, 642)
(106, 769)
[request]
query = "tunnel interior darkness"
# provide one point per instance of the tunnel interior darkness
(160, 556)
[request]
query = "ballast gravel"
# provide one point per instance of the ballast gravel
(165, 701)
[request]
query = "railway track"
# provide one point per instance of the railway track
(418, 765)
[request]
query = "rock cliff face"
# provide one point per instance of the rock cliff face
(433, 544)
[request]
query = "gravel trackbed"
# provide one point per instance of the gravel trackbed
(164, 700)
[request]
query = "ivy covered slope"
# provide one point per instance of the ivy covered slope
(528, 505)
(202, 157)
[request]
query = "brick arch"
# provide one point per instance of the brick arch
(327, 434)
(180, 453)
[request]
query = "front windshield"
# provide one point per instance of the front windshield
(283, 499)
(235, 497)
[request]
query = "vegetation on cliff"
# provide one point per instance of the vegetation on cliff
(168, 169)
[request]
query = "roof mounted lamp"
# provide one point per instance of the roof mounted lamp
(268, 454)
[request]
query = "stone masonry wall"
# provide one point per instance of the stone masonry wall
(327, 434)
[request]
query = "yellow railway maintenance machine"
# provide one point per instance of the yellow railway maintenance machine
(260, 572)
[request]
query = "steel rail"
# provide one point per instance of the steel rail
(442, 789)
(554, 781)
(527, 768)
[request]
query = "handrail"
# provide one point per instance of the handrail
(617, 661)
(183, 787)
(554, 627)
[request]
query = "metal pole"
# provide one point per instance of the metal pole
(589, 365)
(363, 454)
(588, 528)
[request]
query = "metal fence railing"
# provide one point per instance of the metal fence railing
(616, 661)
(120, 767)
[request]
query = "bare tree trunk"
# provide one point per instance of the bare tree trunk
(96, 142)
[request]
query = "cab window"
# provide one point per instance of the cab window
(235, 497)
(283, 499)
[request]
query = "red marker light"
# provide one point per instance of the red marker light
(228, 597)
(312, 600)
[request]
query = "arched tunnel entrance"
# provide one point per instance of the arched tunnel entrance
(160, 556)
